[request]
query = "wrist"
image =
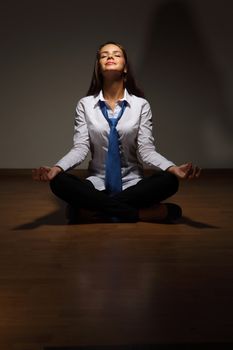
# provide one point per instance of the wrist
(171, 168)
(58, 168)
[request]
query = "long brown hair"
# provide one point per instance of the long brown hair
(97, 78)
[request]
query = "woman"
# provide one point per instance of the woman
(114, 123)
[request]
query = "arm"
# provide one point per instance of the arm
(146, 143)
(149, 156)
(81, 144)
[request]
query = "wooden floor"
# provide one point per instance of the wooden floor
(105, 284)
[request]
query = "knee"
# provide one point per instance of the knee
(172, 182)
(56, 182)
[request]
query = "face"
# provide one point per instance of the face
(111, 59)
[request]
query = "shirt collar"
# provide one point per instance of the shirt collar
(100, 97)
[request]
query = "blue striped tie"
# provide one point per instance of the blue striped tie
(113, 180)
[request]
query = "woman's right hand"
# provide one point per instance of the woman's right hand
(45, 173)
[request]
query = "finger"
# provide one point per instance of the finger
(198, 172)
(45, 169)
(189, 166)
(195, 173)
(36, 174)
(192, 172)
(185, 167)
(189, 171)
(43, 174)
(44, 177)
(185, 175)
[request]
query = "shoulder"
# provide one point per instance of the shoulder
(138, 101)
(86, 101)
(86, 104)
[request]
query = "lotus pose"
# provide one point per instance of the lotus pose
(114, 122)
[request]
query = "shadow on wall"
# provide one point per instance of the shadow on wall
(192, 120)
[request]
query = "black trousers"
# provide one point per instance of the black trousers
(81, 193)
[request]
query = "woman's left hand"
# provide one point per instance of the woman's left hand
(185, 171)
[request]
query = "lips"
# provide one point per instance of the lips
(110, 62)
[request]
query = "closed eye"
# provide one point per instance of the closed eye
(114, 53)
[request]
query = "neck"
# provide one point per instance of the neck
(113, 90)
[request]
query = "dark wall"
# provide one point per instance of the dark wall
(182, 55)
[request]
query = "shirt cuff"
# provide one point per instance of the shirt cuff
(166, 165)
(62, 165)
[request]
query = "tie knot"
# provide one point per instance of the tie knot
(113, 122)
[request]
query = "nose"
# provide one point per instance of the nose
(110, 56)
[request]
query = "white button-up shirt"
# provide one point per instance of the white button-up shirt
(135, 137)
